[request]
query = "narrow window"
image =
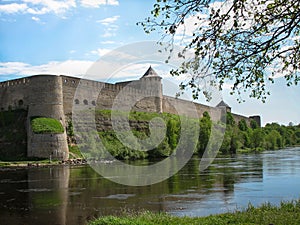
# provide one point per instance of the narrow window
(20, 102)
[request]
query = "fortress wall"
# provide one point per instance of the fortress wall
(148, 104)
(204, 108)
(257, 119)
(54, 96)
(14, 94)
(127, 95)
(238, 118)
(174, 106)
(45, 97)
(188, 107)
(48, 145)
(69, 88)
(169, 104)
(85, 93)
(106, 98)
(46, 100)
(107, 95)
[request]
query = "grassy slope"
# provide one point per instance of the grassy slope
(42, 125)
(286, 213)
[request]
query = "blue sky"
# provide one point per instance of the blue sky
(67, 36)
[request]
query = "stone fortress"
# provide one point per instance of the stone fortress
(53, 96)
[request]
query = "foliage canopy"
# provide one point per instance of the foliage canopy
(246, 43)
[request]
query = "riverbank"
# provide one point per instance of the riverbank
(41, 163)
(27, 163)
(286, 213)
(77, 159)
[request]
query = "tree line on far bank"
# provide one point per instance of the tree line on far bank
(239, 137)
(243, 137)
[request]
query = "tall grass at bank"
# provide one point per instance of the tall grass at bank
(43, 125)
(287, 213)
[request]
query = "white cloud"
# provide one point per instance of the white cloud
(97, 3)
(35, 19)
(109, 20)
(100, 51)
(92, 3)
(79, 68)
(69, 67)
(13, 8)
(41, 11)
(108, 42)
(38, 7)
(48, 6)
(58, 7)
(227, 86)
(112, 2)
(192, 23)
(110, 28)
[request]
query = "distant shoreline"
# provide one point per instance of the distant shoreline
(81, 161)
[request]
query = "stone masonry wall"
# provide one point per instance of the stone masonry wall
(107, 95)
(14, 94)
(170, 104)
(54, 96)
(46, 100)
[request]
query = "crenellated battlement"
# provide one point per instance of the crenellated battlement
(16, 82)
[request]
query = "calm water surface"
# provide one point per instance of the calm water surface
(74, 195)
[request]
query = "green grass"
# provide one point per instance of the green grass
(134, 115)
(43, 125)
(74, 152)
(286, 213)
(26, 162)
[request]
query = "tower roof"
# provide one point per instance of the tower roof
(150, 73)
(222, 103)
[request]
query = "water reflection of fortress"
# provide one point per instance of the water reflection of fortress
(53, 96)
(73, 195)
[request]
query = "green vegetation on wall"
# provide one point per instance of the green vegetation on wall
(13, 136)
(239, 136)
(43, 125)
(139, 122)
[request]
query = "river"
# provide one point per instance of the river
(76, 194)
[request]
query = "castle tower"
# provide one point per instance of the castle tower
(150, 81)
(223, 104)
(46, 100)
(257, 119)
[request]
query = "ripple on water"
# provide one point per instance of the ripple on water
(117, 196)
(35, 190)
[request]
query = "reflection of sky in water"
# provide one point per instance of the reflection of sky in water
(280, 181)
(72, 195)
